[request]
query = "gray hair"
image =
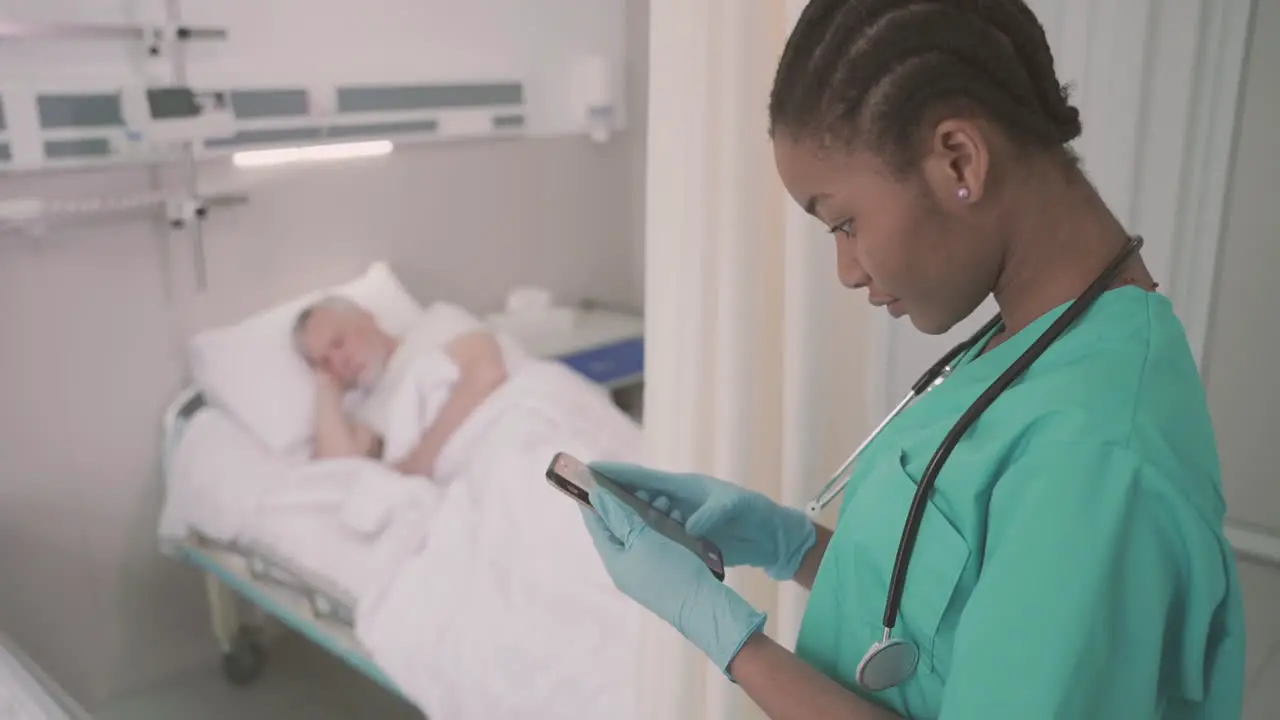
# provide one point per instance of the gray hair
(332, 302)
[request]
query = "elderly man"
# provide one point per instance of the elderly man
(348, 351)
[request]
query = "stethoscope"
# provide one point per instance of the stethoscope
(891, 661)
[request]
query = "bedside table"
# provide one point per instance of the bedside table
(605, 346)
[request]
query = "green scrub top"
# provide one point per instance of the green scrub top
(1071, 562)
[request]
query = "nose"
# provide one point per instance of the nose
(339, 363)
(848, 269)
(851, 274)
(350, 363)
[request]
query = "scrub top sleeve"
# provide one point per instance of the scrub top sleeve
(1080, 576)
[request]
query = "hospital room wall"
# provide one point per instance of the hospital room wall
(91, 348)
(1244, 336)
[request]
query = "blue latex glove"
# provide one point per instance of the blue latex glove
(749, 528)
(670, 581)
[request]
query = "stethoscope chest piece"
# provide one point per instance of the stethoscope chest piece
(888, 663)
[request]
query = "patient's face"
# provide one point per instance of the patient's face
(347, 344)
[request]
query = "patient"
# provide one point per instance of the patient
(349, 353)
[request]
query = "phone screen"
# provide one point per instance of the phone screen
(575, 479)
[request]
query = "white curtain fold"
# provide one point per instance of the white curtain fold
(743, 310)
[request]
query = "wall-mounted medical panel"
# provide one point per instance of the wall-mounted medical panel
(71, 127)
(289, 73)
(58, 111)
(568, 56)
(256, 104)
(401, 98)
(285, 116)
(62, 127)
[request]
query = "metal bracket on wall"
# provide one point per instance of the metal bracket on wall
(191, 212)
(180, 211)
(154, 39)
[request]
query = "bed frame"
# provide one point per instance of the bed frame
(606, 346)
(268, 583)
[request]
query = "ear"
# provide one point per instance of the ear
(957, 162)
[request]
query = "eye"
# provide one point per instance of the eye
(845, 228)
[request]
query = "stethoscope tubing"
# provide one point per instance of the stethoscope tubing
(935, 374)
(920, 501)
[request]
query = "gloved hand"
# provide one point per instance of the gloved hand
(670, 581)
(749, 528)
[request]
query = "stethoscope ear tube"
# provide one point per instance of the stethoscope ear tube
(934, 374)
(943, 365)
(920, 501)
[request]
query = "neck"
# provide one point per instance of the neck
(1063, 237)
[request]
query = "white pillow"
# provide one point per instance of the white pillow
(252, 371)
(441, 322)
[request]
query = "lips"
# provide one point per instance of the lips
(893, 305)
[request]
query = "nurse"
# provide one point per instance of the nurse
(1070, 561)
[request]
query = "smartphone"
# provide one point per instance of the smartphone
(575, 479)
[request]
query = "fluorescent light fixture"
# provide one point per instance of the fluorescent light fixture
(311, 153)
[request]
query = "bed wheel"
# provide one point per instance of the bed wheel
(243, 663)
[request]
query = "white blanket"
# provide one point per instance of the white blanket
(350, 522)
(507, 611)
(478, 592)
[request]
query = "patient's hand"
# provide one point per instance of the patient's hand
(335, 435)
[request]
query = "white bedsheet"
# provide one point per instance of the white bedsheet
(350, 523)
(507, 612)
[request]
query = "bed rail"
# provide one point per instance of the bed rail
(268, 582)
(268, 568)
(275, 594)
(189, 402)
(176, 417)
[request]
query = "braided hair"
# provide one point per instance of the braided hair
(873, 73)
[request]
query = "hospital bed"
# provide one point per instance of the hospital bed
(247, 584)
(27, 693)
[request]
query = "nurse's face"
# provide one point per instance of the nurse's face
(913, 243)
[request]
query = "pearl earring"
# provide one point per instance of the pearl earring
(963, 193)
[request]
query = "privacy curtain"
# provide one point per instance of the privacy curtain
(756, 367)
